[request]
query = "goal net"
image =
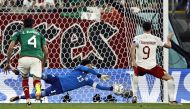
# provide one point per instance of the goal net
(99, 30)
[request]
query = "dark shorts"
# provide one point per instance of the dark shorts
(157, 71)
(55, 87)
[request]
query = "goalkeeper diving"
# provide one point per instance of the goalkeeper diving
(75, 79)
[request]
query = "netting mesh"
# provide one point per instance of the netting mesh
(100, 30)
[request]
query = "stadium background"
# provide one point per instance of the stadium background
(70, 39)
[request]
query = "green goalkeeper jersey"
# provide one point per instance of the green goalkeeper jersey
(31, 42)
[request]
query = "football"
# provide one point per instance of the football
(118, 89)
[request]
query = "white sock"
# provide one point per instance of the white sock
(171, 88)
(134, 85)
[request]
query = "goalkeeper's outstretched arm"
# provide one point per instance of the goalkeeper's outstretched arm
(118, 89)
(93, 84)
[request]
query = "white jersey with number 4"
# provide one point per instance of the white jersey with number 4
(146, 50)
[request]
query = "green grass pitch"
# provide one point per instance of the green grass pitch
(96, 106)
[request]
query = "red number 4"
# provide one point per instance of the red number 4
(146, 51)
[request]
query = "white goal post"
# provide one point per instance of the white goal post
(165, 53)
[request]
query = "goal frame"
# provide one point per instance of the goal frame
(165, 51)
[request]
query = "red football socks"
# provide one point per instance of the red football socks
(26, 88)
(36, 82)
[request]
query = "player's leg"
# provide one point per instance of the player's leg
(159, 72)
(171, 87)
(134, 88)
(47, 92)
(52, 90)
(36, 71)
(56, 87)
(32, 96)
(23, 67)
(138, 71)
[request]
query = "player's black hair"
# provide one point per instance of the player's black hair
(28, 22)
(85, 62)
(146, 26)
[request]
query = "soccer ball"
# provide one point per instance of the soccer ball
(118, 89)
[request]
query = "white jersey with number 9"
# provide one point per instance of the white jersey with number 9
(146, 45)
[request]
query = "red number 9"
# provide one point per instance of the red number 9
(146, 51)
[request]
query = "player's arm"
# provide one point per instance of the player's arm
(14, 38)
(93, 84)
(92, 71)
(10, 50)
(116, 88)
(168, 44)
(45, 50)
(133, 58)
